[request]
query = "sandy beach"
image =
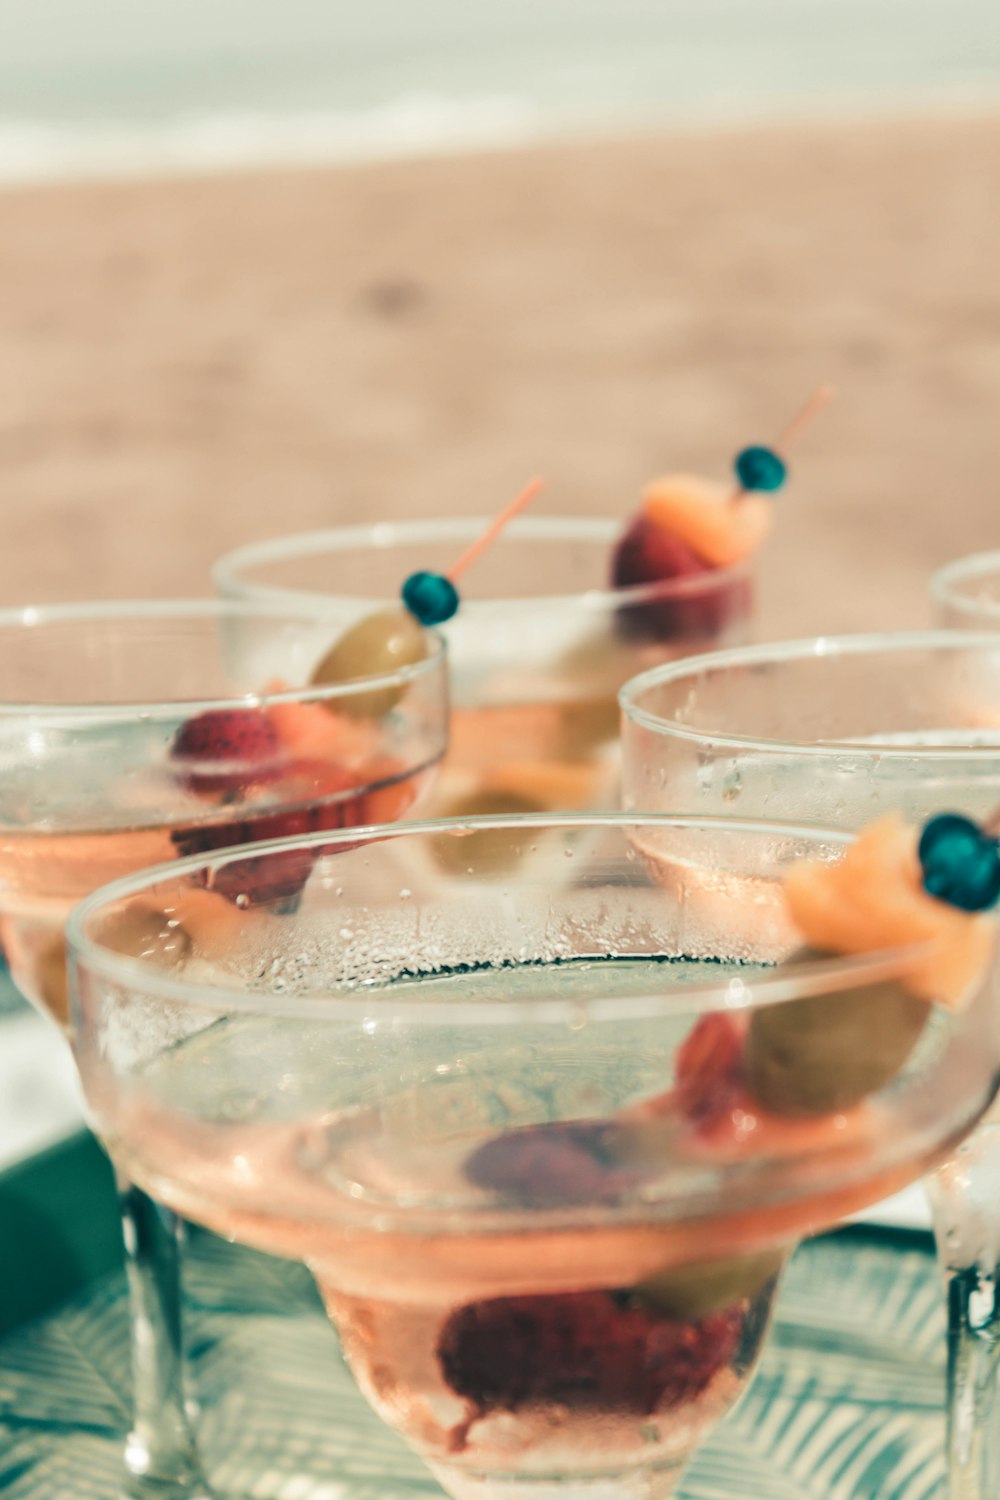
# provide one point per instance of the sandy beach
(186, 365)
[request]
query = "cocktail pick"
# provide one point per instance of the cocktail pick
(393, 638)
(432, 598)
(763, 470)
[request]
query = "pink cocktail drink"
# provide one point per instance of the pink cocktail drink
(516, 1121)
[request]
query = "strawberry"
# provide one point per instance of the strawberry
(227, 750)
(702, 607)
(709, 1069)
(278, 878)
(587, 1351)
(545, 1166)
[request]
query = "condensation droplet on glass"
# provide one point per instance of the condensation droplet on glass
(243, 900)
(732, 784)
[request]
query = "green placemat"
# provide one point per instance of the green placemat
(12, 1002)
(846, 1406)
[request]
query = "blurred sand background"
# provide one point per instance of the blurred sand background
(188, 365)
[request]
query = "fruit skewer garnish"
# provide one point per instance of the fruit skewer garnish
(920, 899)
(810, 1058)
(309, 752)
(393, 638)
(821, 1054)
(689, 526)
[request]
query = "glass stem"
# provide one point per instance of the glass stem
(160, 1455)
(972, 1379)
(965, 1202)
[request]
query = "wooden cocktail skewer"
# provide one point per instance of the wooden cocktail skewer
(489, 536)
(432, 597)
(763, 470)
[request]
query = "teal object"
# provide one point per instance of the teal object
(59, 1227)
(431, 597)
(960, 863)
(760, 469)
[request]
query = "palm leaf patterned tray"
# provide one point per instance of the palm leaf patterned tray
(846, 1405)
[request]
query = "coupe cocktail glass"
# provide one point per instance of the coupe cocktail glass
(966, 593)
(473, 1106)
(836, 732)
(537, 651)
(96, 702)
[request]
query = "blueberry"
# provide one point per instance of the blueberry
(761, 469)
(961, 863)
(432, 597)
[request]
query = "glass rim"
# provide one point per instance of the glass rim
(818, 647)
(768, 987)
(230, 579)
(945, 584)
(29, 617)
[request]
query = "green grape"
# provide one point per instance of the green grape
(492, 851)
(688, 1292)
(825, 1053)
(586, 724)
(141, 931)
(379, 643)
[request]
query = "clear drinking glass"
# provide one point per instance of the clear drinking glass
(836, 732)
(493, 1112)
(131, 734)
(966, 593)
(537, 651)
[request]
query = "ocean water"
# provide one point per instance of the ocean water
(123, 86)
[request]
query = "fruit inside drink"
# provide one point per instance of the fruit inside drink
(91, 791)
(44, 874)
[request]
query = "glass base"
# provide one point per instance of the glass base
(140, 1484)
(635, 1484)
(146, 1488)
